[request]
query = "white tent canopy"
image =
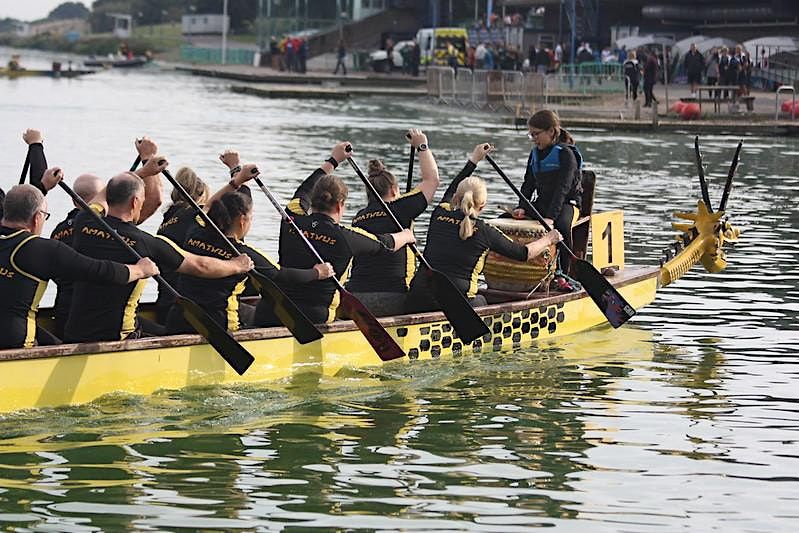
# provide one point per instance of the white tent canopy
(635, 41)
(772, 45)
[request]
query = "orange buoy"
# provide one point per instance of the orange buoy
(690, 112)
(678, 106)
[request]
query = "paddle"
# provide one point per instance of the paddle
(409, 183)
(467, 323)
(135, 164)
(701, 171)
(230, 350)
(730, 174)
(382, 343)
(605, 296)
(25, 167)
(287, 311)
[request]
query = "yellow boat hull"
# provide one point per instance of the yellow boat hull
(80, 373)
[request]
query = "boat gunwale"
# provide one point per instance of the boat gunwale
(629, 276)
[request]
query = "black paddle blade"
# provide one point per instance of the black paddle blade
(466, 322)
(383, 344)
(605, 296)
(230, 350)
(285, 310)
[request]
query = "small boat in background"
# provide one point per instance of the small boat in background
(116, 62)
(14, 70)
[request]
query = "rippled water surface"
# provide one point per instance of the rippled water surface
(685, 418)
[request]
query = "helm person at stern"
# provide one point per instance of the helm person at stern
(554, 173)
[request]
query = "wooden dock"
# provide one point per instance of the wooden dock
(268, 90)
(746, 126)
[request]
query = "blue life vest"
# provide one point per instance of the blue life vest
(551, 162)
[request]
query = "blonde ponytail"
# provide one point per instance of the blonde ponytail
(470, 197)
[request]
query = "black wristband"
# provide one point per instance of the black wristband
(332, 161)
(235, 170)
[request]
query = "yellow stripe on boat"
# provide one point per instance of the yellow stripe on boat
(67, 374)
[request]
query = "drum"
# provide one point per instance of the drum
(519, 276)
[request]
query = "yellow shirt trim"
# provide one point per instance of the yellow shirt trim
(128, 325)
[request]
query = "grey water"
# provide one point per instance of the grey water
(686, 418)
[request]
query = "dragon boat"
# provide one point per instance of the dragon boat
(80, 373)
(51, 73)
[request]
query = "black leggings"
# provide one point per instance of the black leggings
(564, 225)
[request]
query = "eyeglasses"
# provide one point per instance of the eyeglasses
(46, 214)
(533, 134)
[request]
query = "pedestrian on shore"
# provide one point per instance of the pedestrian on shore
(542, 61)
(489, 57)
(390, 54)
(558, 56)
(632, 75)
(694, 64)
(622, 55)
(712, 70)
(302, 56)
(470, 58)
(274, 53)
(480, 55)
(745, 70)
(532, 54)
(290, 53)
(650, 78)
(452, 56)
(416, 58)
(341, 54)
(724, 66)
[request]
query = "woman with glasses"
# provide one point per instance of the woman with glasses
(554, 173)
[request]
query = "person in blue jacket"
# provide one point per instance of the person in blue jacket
(554, 174)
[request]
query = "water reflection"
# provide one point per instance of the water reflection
(684, 419)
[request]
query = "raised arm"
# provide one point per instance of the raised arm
(427, 163)
(38, 163)
(300, 203)
(153, 188)
(478, 153)
(242, 175)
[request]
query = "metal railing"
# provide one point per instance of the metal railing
(495, 89)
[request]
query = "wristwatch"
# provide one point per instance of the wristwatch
(233, 185)
(422, 147)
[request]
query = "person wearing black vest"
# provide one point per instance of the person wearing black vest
(317, 208)
(381, 281)
(554, 173)
(28, 261)
(232, 214)
(458, 242)
(632, 75)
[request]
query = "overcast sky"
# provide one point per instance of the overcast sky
(30, 9)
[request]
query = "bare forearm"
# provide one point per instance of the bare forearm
(430, 177)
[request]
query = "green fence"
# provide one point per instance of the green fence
(235, 56)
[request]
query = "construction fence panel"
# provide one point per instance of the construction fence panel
(447, 84)
(533, 91)
(480, 88)
(433, 83)
(464, 87)
(495, 89)
(513, 88)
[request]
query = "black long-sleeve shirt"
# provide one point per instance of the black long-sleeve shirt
(220, 297)
(462, 260)
(26, 263)
(336, 243)
(555, 187)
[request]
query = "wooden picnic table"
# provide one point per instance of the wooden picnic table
(714, 95)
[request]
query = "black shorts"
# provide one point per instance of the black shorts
(694, 77)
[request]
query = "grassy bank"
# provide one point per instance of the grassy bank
(161, 39)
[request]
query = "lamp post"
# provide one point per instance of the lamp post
(224, 31)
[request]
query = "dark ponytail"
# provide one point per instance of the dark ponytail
(545, 119)
(327, 193)
(225, 210)
(382, 180)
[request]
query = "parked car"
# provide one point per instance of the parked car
(378, 59)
